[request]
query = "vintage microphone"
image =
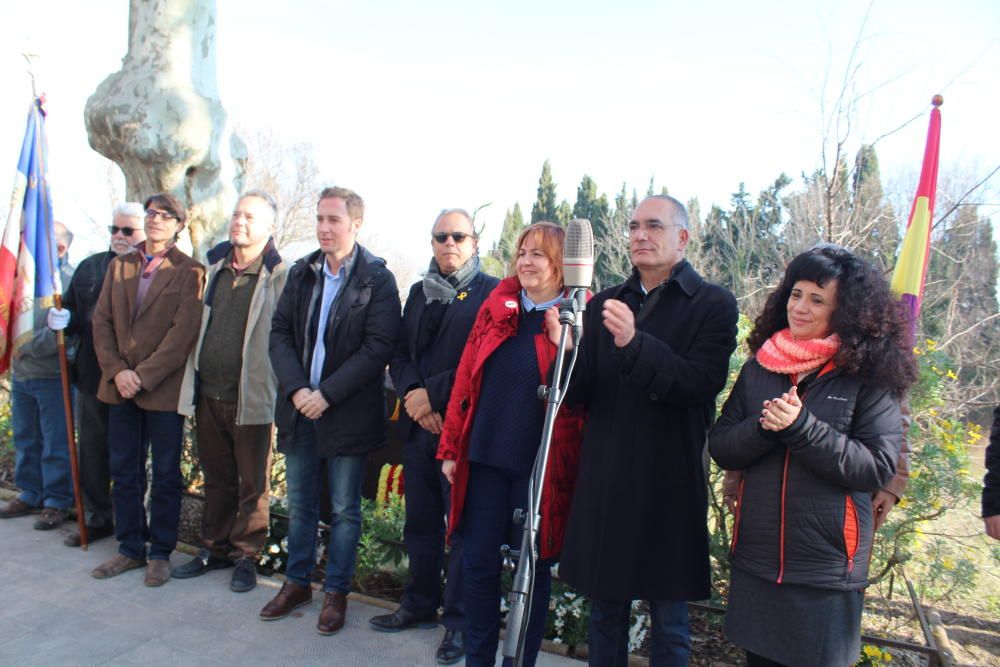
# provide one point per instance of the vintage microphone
(578, 271)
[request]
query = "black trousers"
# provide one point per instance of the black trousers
(428, 500)
(95, 475)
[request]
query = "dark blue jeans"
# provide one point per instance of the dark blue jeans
(428, 499)
(487, 523)
(133, 431)
(344, 474)
(670, 634)
(41, 463)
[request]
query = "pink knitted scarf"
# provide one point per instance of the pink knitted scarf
(781, 353)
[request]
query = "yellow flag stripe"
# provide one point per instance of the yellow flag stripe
(908, 276)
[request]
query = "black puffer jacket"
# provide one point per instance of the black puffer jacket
(991, 482)
(805, 512)
(360, 335)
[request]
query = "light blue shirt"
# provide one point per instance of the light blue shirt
(332, 285)
(527, 304)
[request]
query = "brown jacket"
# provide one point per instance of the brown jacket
(157, 342)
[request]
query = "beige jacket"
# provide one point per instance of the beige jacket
(258, 385)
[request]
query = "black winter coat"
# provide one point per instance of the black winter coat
(444, 353)
(360, 335)
(80, 298)
(805, 510)
(637, 526)
(991, 482)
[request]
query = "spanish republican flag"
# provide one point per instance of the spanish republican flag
(28, 259)
(911, 265)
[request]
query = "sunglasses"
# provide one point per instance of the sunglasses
(126, 231)
(457, 237)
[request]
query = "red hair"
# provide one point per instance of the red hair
(548, 236)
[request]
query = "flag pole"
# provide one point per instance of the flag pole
(74, 466)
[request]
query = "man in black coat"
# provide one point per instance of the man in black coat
(332, 335)
(437, 318)
(92, 415)
(654, 355)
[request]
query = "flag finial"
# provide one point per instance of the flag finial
(937, 100)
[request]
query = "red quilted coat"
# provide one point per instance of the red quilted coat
(497, 321)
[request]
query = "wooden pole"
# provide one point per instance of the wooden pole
(74, 465)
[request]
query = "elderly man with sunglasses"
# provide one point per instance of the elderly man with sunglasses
(437, 319)
(91, 414)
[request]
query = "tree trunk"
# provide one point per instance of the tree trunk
(160, 118)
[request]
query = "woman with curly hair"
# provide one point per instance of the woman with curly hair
(813, 424)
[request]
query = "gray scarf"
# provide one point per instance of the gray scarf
(445, 288)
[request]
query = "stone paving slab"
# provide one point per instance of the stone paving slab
(52, 612)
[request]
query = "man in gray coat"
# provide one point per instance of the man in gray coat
(230, 388)
(42, 471)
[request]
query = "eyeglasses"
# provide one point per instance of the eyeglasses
(152, 214)
(457, 237)
(126, 231)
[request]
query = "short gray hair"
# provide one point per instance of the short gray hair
(460, 211)
(261, 194)
(680, 215)
(131, 209)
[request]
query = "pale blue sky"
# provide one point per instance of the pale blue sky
(420, 106)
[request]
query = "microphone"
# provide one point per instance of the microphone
(578, 255)
(578, 272)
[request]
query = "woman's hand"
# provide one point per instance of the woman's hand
(448, 468)
(779, 413)
(553, 329)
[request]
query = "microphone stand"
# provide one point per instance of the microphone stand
(519, 600)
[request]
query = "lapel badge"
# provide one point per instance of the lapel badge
(461, 297)
(511, 304)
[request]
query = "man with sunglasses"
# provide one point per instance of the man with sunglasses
(437, 318)
(79, 300)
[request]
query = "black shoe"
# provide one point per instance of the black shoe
(402, 619)
(244, 576)
(452, 648)
(94, 533)
(200, 564)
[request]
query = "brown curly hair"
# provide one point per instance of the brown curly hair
(875, 343)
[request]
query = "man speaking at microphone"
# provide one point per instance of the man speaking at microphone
(654, 354)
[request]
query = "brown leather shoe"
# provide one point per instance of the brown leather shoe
(157, 573)
(18, 507)
(116, 565)
(290, 597)
(331, 619)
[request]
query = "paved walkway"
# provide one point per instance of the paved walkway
(53, 613)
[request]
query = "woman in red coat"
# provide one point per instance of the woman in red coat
(491, 435)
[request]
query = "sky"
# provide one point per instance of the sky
(431, 105)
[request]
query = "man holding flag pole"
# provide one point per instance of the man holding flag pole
(30, 283)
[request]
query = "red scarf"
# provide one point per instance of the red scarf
(781, 353)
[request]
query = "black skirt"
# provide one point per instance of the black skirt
(795, 625)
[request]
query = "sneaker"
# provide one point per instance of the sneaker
(244, 576)
(200, 564)
(18, 507)
(116, 565)
(50, 518)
